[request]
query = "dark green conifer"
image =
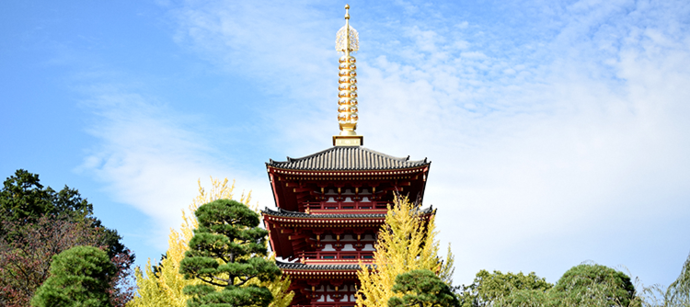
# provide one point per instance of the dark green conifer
(422, 288)
(226, 251)
(79, 276)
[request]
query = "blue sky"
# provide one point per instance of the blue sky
(557, 130)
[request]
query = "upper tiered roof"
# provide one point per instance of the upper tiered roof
(347, 158)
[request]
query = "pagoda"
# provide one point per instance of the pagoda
(331, 204)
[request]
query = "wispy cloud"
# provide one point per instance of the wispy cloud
(545, 141)
(577, 144)
(149, 156)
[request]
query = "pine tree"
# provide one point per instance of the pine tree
(406, 242)
(226, 251)
(37, 223)
(79, 276)
(422, 288)
(163, 284)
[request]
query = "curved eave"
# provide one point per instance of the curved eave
(347, 158)
(347, 172)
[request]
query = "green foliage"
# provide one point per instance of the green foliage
(422, 288)
(228, 250)
(488, 287)
(582, 285)
(594, 285)
(405, 242)
(25, 259)
(678, 293)
(525, 298)
(37, 223)
(79, 276)
(24, 200)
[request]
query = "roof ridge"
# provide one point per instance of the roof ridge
(405, 159)
(387, 155)
(309, 156)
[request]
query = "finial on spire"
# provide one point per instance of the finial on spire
(347, 40)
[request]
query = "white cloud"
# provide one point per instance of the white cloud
(572, 154)
(544, 148)
(150, 157)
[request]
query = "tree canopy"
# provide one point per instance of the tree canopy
(678, 293)
(422, 288)
(79, 276)
(228, 250)
(163, 284)
(582, 285)
(489, 287)
(406, 242)
(23, 200)
(593, 285)
(36, 223)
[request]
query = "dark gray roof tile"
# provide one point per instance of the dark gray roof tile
(347, 158)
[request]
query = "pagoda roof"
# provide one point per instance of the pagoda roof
(347, 158)
(295, 214)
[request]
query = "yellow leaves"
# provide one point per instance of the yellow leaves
(164, 288)
(406, 242)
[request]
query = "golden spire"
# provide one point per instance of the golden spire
(346, 41)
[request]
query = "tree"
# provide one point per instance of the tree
(23, 200)
(488, 288)
(406, 242)
(593, 285)
(163, 284)
(422, 288)
(37, 223)
(526, 298)
(78, 277)
(226, 251)
(25, 260)
(678, 293)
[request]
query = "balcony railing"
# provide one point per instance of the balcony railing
(346, 204)
(365, 256)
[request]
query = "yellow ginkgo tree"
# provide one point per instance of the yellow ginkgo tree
(163, 285)
(406, 242)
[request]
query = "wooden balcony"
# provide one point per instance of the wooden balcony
(345, 205)
(334, 257)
